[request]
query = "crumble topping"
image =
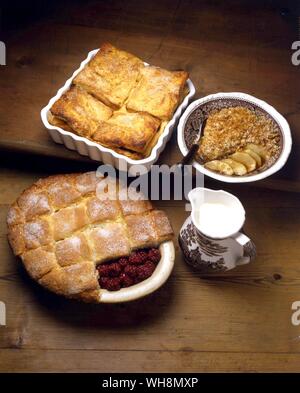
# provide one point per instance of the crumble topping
(230, 129)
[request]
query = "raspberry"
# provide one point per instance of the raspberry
(103, 270)
(131, 271)
(128, 271)
(114, 269)
(123, 262)
(154, 255)
(134, 259)
(144, 271)
(113, 284)
(143, 256)
(103, 281)
(126, 281)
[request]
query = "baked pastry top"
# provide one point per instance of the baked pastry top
(110, 75)
(119, 102)
(81, 111)
(127, 130)
(158, 92)
(63, 226)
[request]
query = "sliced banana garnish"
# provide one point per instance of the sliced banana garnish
(245, 159)
(219, 166)
(259, 150)
(254, 155)
(241, 162)
(238, 168)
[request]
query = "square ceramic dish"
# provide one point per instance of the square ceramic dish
(98, 152)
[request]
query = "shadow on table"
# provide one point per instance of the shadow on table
(136, 313)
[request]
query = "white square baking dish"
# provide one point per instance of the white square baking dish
(98, 152)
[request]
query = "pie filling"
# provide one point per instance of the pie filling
(127, 271)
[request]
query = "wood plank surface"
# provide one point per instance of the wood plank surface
(226, 46)
(236, 321)
(240, 320)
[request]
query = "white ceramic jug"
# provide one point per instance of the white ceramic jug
(210, 240)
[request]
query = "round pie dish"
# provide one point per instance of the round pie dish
(151, 284)
(78, 241)
(202, 108)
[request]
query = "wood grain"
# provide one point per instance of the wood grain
(237, 321)
(147, 361)
(225, 46)
(240, 320)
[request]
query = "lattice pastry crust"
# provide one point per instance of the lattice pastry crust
(62, 230)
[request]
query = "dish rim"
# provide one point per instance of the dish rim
(156, 280)
(278, 118)
(76, 138)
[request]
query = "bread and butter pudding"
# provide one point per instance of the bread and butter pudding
(63, 231)
(119, 102)
(237, 140)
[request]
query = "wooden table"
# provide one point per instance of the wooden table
(238, 321)
(225, 46)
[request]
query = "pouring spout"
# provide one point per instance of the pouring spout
(196, 197)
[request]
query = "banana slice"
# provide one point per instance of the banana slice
(259, 150)
(237, 167)
(246, 159)
(219, 166)
(254, 155)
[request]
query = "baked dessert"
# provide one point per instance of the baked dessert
(127, 130)
(81, 111)
(119, 102)
(63, 227)
(110, 75)
(238, 141)
(158, 92)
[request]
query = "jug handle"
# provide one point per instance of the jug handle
(249, 249)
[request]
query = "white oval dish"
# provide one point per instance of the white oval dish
(98, 152)
(278, 118)
(151, 284)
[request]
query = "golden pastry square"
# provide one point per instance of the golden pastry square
(57, 122)
(33, 203)
(158, 92)
(163, 228)
(133, 202)
(110, 75)
(73, 279)
(15, 215)
(148, 230)
(80, 110)
(132, 131)
(39, 261)
(68, 220)
(60, 190)
(141, 231)
(109, 241)
(86, 183)
(37, 233)
(101, 210)
(72, 250)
